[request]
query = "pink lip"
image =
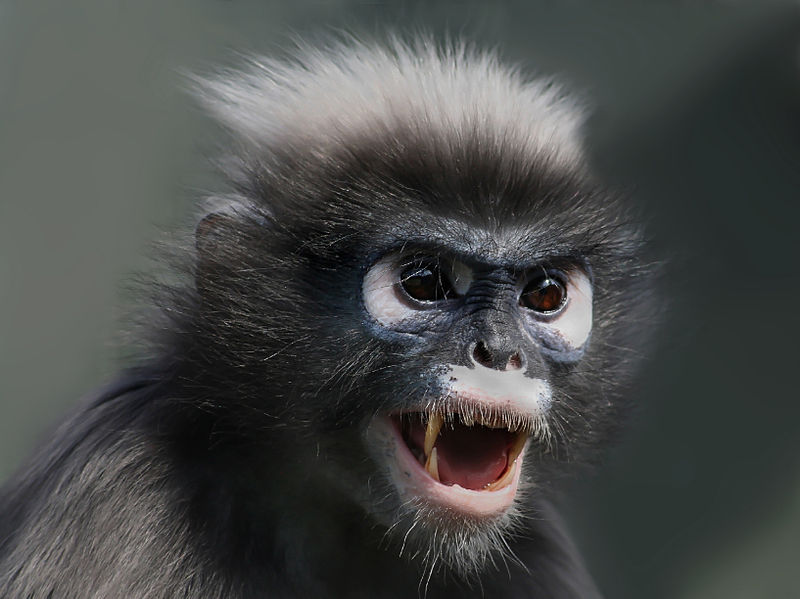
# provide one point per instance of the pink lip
(412, 480)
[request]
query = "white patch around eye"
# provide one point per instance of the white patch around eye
(574, 324)
(380, 295)
(509, 389)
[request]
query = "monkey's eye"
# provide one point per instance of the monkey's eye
(424, 281)
(404, 291)
(545, 294)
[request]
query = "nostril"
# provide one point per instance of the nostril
(514, 362)
(482, 355)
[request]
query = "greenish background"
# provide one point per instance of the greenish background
(697, 111)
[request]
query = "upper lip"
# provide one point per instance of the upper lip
(470, 411)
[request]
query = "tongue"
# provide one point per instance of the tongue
(472, 457)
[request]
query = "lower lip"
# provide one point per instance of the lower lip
(412, 479)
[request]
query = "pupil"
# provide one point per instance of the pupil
(421, 286)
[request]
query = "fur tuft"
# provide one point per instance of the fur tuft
(325, 97)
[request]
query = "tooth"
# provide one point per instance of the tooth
(516, 449)
(504, 481)
(432, 431)
(432, 465)
(513, 454)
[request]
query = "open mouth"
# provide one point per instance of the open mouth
(462, 460)
(474, 455)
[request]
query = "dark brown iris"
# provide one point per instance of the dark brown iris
(424, 281)
(545, 294)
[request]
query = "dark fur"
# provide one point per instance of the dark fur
(232, 464)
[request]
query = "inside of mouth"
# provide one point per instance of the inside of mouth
(473, 457)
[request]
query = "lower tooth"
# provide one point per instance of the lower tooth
(504, 481)
(513, 454)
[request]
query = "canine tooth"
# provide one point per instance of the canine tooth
(516, 448)
(435, 422)
(504, 481)
(432, 465)
(513, 454)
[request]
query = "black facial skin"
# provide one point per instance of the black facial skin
(233, 461)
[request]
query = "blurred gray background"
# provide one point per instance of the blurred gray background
(697, 111)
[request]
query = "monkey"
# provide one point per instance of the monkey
(411, 310)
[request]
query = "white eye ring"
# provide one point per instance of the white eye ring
(380, 294)
(574, 321)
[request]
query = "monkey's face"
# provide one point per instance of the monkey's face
(435, 362)
(485, 327)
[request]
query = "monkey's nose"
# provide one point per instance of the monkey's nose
(496, 359)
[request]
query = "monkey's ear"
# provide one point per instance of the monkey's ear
(216, 238)
(211, 233)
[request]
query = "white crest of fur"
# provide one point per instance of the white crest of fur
(324, 96)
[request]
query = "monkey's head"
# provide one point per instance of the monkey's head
(417, 296)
